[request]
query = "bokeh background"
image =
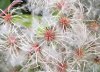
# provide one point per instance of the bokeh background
(4, 3)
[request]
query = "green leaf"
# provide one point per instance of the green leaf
(4, 4)
(25, 20)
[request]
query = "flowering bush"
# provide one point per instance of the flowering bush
(58, 36)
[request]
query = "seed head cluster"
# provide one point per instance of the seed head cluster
(58, 36)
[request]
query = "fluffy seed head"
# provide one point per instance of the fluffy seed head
(59, 5)
(64, 22)
(79, 53)
(94, 26)
(49, 35)
(36, 47)
(8, 17)
(62, 67)
(11, 39)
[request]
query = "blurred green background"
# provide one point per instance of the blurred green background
(4, 4)
(27, 18)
